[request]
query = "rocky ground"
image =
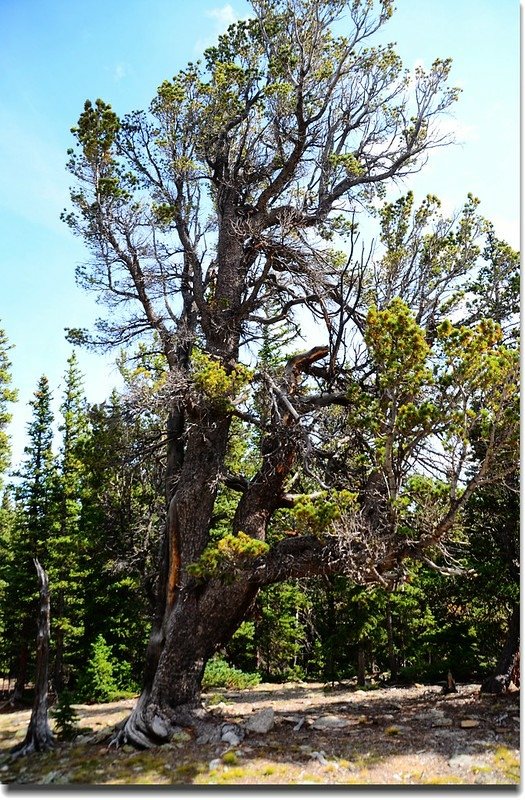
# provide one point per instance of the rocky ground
(295, 734)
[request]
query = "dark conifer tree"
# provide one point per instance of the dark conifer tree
(7, 396)
(66, 543)
(34, 522)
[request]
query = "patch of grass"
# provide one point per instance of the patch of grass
(392, 730)
(229, 758)
(443, 780)
(365, 760)
(507, 762)
(228, 775)
(480, 769)
(186, 773)
(308, 778)
(215, 699)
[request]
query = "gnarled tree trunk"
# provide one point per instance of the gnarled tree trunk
(39, 737)
(195, 617)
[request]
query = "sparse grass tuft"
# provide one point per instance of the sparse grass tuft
(186, 773)
(392, 730)
(230, 758)
(443, 780)
(507, 762)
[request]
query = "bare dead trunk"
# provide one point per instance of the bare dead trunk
(507, 668)
(39, 737)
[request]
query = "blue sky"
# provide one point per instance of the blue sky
(56, 54)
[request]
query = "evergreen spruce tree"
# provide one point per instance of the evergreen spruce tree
(66, 543)
(119, 521)
(34, 521)
(7, 396)
(7, 555)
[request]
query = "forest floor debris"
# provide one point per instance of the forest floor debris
(380, 736)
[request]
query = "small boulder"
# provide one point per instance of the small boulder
(441, 722)
(463, 760)
(331, 722)
(261, 722)
(160, 727)
(232, 734)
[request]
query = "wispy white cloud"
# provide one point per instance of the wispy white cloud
(453, 128)
(223, 17)
(32, 170)
(120, 72)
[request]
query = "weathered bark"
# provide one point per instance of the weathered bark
(200, 622)
(39, 737)
(198, 617)
(507, 668)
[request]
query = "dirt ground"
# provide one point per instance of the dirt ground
(344, 735)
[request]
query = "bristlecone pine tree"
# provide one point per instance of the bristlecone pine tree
(229, 197)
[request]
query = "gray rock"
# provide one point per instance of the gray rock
(232, 734)
(261, 722)
(215, 764)
(231, 738)
(320, 757)
(462, 760)
(50, 777)
(299, 725)
(441, 722)
(330, 722)
(209, 734)
(160, 727)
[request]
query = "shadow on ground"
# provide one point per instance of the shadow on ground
(394, 736)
